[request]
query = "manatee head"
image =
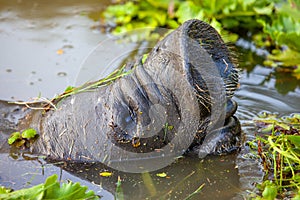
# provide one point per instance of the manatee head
(186, 79)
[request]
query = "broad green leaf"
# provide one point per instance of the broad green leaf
(51, 186)
(51, 189)
(29, 133)
(294, 139)
(264, 10)
(13, 137)
(187, 10)
(270, 192)
(291, 40)
(35, 192)
(67, 191)
(287, 57)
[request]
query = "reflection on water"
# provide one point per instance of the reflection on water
(50, 40)
(30, 64)
(218, 174)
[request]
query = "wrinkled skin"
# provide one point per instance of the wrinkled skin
(183, 89)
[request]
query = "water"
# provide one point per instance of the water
(42, 50)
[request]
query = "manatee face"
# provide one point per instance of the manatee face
(178, 100)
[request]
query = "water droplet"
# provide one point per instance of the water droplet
(61, 74)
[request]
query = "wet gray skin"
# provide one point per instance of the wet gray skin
(183, 88)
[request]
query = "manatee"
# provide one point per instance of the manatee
(178, 100)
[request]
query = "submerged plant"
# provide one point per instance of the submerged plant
(279, 151)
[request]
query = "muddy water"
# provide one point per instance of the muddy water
(43, 48)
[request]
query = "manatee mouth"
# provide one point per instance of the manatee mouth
(146, 128)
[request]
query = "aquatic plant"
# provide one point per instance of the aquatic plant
(51, 189)
(278, 147)
(270, 24)
(24, 139)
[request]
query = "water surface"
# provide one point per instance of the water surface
(43, 48)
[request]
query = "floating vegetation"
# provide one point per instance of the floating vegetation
(51, 189)
(278, 147)
(24, 139)
(271, 24)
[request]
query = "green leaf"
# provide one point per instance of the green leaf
(188, 10)
(35, 192)
(29, 133)
(294, 139)
(287, 57)
(69, 89)
(50, 190)
(270, 191)
(297, 197)
(66, 190)
(145, 56)
(291, 40)
(268, 128)
(4, 190)
(264, 10)
(119, 191)
(283, 125)
(13, 137)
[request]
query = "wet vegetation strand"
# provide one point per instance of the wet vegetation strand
(277, 145)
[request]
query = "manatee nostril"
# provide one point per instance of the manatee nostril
(231, 107)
